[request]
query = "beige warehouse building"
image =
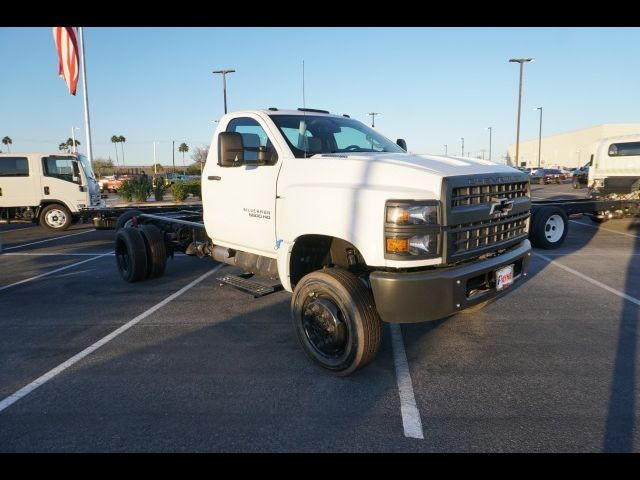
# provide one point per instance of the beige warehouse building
(567, 149)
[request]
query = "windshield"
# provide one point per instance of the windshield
(308, 135)
(88, 171)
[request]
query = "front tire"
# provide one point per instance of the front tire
(55, 217)
(549, 228)
(336, 320)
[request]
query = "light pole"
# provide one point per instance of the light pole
(490, 131)
(539, 135)
(462, 146)
(373, 118)
(73, 138)
(445, 149)
(521, 61)
(224, 84)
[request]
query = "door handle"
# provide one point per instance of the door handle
(46, 190)
(214, 177)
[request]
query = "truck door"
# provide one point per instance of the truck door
(240, 201)
(19, 181)
(61, 181)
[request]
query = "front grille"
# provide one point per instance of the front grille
(478, 235)
(475, 195)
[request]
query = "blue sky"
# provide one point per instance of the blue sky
(432, 86)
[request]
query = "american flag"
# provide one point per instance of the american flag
(66, 39)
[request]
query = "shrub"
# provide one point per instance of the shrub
(126, 191)
(138, 189)
(179, 191)
(159, 188)
(194, 188)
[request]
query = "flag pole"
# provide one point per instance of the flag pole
(87, 124)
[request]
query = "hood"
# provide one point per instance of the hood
(433, 164)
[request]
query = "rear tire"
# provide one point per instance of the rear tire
(336, 320)
(55, 217)
(126, 219)
(156, 250)
(549, 228)
(131, 255)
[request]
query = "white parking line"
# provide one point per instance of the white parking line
(26, 390)
(410, 415)
(603, 228)
(590, 280)
(50, 239)
(53, 271)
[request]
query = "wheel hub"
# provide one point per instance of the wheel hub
(324, 327)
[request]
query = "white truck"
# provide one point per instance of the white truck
(614, 168)
(52, 188)
(355, 227)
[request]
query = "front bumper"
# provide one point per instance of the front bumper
(410, 297)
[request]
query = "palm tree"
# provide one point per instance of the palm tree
(70, 143)
(115, 140)
(63, 146)
(121, 139)
(7, 141)
(158, 168)
(183, 148)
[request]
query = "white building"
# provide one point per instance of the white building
(567, 149)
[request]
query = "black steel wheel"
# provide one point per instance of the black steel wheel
(131, 254)
(156, 250)
(126, 219)
(549, 228)
(336, 321)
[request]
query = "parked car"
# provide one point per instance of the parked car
(580, 176)
(546, 175)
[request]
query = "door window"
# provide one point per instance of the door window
(60, 167)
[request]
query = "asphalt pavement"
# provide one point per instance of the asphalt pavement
(183, 364)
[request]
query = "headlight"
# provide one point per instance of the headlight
(412, 229)
(412, 215)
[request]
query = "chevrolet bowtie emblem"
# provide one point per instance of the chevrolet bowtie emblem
(500, 207)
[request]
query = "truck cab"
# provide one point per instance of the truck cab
(50, 188)
(614, 168)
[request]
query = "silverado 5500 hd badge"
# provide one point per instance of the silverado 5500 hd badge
(258, 213)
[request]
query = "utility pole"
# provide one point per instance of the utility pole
(373, 120)
(445, 150)
(462, 146)
(539, 136)
(155, 162)
(490, 132)
(174, 155)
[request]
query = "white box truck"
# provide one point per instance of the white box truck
(50, 188)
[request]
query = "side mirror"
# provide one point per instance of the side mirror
(402, 143)
(230, 149)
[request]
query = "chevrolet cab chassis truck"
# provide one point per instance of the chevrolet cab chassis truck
(356, 228)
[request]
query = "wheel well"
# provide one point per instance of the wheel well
(312, 252)
(44, 203)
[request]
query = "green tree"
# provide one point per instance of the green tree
(158, 168)
(64, 146)
(7, 141)
(101, 166)
(121, 140)
(183, 148)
